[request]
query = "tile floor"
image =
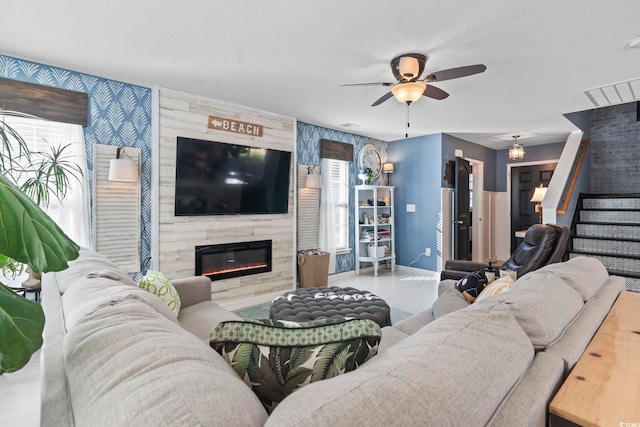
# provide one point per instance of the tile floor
(407, 289)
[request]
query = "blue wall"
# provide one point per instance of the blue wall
(417, 177)
(471, 151)
(119, 114)
(582, 120)
(534, 153)
(308, 153)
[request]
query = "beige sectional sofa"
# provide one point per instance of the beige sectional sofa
(114, 355)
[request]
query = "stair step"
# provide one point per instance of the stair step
(615, 239)
(608, 246)
(628, 267)
(632, 284)
(626, 231)
(610, 216)
(632, 202)
(593, 252)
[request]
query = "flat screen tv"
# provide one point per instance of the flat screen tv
(216, 178)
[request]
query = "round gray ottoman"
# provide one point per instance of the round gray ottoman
(303, 305)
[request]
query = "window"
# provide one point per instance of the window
(72, 214)
(339, 172)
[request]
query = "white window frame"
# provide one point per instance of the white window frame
(71, 215)
(339, 171)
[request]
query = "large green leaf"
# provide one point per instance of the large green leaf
(21, 324)
(28, 235)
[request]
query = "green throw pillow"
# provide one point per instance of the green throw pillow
(276, 357)
(156, 283)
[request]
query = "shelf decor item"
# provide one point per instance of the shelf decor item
(362, 175)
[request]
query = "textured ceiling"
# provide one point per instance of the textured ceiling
(291, 57)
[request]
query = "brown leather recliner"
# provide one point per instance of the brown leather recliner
(542, 244)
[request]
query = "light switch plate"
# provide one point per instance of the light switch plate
(411, 208)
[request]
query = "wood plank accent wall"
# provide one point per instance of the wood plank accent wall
(50, 103)
(187, 115)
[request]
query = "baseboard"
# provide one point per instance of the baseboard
(415, 270)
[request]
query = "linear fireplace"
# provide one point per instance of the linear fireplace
(233, 259)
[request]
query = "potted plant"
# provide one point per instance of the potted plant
(28, 236)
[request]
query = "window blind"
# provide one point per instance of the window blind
(339, 171)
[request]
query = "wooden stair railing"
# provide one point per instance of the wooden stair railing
(584, 145)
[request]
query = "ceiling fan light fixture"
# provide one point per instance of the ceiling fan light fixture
(409, 67)
(408, 92)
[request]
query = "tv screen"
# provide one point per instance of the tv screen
(216, 178)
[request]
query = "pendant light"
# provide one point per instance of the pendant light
(516, 152)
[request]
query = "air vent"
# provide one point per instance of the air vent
(349, 125)
(617, 93)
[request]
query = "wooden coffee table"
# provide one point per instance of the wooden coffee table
(603, 389)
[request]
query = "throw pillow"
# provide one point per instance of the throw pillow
(471, 285)
(276, 357)
(156, 283)
(496, 287)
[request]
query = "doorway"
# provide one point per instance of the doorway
(467, 220)
(524, 179)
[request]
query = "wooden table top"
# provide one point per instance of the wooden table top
(603, 389)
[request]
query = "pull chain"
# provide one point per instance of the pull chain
(406, 134)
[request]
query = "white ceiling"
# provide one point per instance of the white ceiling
(290, 57)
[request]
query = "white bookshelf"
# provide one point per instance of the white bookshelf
(374, 226)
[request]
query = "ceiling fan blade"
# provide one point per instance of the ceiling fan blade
(369, 84)
(435, 93)
(455, 73)
(382, 99)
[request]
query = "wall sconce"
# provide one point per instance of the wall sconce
(516, 152)
(387, 169)
(313, 179)
(121, 169)
(538, 197)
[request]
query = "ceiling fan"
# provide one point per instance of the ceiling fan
(408, 68)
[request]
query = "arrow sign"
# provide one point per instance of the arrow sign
(235, 126)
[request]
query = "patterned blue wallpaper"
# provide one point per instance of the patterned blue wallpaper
(119, 114)
(308, 152)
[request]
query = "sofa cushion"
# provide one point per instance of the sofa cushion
(456, 369)
(390, 337)
(587, 275)
(578, 335)
(156, 283)
(201, 318)
(90, 265)
(88, 295)
(129, 366)
(415, 322)
(451, 300)
(276, 357)
(543, 304)
(496, 287)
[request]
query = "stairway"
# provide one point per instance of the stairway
(607, 227)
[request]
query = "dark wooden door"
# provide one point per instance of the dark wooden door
(461, 211)
(524, 180)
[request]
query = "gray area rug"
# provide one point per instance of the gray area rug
(261, 311)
